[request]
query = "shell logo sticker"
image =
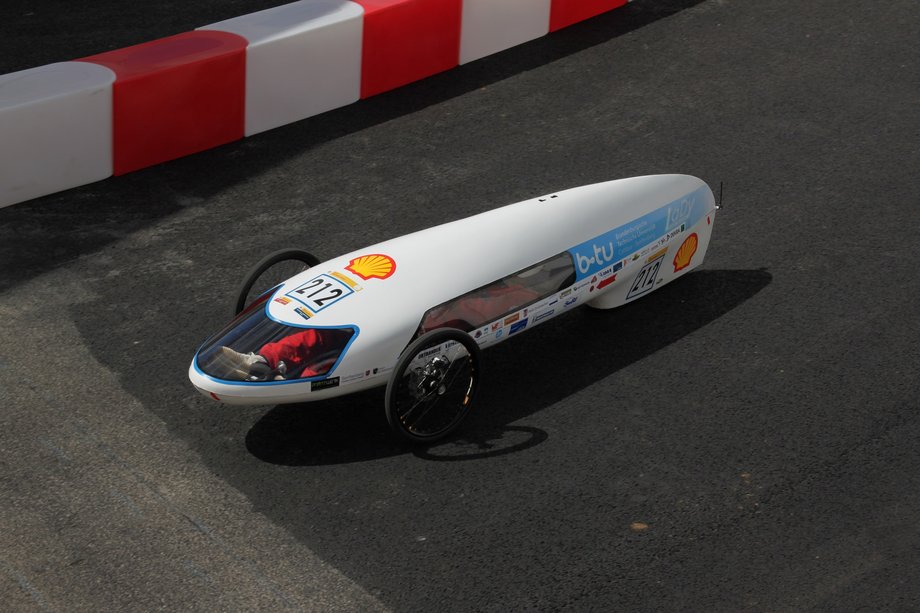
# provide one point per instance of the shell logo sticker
(373, 266)
(685, 253)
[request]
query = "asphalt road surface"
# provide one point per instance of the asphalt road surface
(743, 439)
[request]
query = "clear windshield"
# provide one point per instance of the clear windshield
(255, 348)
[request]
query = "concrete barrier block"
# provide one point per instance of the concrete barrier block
(175, 96)
(407, 40)
(55, 129)
(302, 59)
(490, 26)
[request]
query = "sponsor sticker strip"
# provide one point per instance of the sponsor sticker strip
(639, 236)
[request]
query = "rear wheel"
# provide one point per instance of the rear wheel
(432, 388)
(271, 271)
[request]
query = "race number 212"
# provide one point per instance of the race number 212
(319, 293)
(646, 279)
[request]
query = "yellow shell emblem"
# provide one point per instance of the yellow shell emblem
(374, 266)
(685, 253)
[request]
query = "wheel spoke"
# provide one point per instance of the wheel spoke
(462, 363)
(430, 402)
(405, 415)
(430, 405)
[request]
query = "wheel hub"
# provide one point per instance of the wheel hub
(429, 379)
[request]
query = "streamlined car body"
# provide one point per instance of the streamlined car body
(343, 325)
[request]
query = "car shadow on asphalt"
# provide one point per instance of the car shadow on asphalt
(580, 349)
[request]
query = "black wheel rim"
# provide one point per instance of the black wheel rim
(273, 276)
(433, 387)
(270, 272)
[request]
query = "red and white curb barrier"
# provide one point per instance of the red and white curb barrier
(73, 123)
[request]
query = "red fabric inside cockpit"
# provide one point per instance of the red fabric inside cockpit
(303, 348)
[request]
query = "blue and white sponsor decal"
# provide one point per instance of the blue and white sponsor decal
(601, 251)
(543, 315)
(517, 327)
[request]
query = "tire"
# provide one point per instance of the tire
(269, 272)
(427, 398)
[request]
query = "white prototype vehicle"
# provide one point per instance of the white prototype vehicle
(413, 313)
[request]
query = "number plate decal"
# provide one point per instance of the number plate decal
(320, 292)
(646, 278)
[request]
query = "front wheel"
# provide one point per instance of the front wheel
(269, 272)
(432, 388)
